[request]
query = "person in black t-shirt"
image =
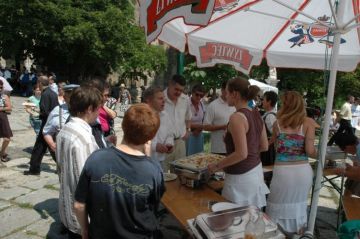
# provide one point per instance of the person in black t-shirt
(120, 188)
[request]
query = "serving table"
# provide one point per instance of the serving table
(351, 206)
(185, 203)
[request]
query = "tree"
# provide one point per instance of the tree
(210, 77)
(76, 38)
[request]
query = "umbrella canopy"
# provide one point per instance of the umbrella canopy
(155, 13)
(263, 87)
(288, 33)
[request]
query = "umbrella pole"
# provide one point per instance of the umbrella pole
(326, 123)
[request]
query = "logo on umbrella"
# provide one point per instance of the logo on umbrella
(213, 50)
(306, 33)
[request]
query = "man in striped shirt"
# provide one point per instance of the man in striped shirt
(75, 143)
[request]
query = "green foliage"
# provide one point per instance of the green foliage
(313, 82)
(77, 38)
(210, 77)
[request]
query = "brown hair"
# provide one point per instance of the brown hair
(150, 92)
(44, 80)
(82, 98)
(140, 124)
(242, 85)
(292, 112)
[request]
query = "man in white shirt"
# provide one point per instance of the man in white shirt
(163, 142)
(75, 143)
(178, 109)
(355, 112)
(345, 119)
(216, 119)
(53, 86)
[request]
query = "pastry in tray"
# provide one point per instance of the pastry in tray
(199, 161)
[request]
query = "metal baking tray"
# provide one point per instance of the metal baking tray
(180, 163)
(203, 226)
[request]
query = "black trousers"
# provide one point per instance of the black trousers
(345, 127)
(39, 151)
(72, 235)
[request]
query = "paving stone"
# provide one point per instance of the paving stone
(44, 200)
(13, 218)
(18, 161)
(9, 193)
(41, 227)
(17, 179)
(4, 204)
(48, 228)
(53, 180)
(327, 192)
(22, 235)
(36, 184)
(6, 172)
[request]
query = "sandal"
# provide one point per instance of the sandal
(5, 158)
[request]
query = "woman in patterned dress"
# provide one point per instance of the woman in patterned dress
(294, 135)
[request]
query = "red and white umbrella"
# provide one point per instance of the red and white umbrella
(317, 34)
(288, 33)
(156, 13)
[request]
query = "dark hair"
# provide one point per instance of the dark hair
(150, 92)
(348, 97)
(345, 139)
(1, 82)
(179, 79)
(272, 97)
(253, 92)
(82, 98)
(198, 88)
(96, 83)
(35, 86)
(140, 124)
(241, 85)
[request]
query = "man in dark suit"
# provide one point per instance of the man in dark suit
(48, 102)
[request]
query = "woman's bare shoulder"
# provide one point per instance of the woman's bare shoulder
(310, 123)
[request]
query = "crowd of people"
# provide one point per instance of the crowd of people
(111, 189)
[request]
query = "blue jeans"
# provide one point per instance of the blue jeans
(35, 124)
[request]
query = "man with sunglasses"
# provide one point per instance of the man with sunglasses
(178, 109)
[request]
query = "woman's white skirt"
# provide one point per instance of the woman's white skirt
(287, 201)
(246, 189)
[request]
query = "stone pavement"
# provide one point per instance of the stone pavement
(28, 204)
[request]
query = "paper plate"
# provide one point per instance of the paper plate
(223, 206)
(169, 177)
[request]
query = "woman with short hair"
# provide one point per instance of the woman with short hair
(294, 135)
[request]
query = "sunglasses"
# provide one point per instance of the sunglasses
(199, 95)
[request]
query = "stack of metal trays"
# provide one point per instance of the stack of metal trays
(192, 170)
(229, 224)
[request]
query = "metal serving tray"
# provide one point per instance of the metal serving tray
(201, 226)
(181, 163)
